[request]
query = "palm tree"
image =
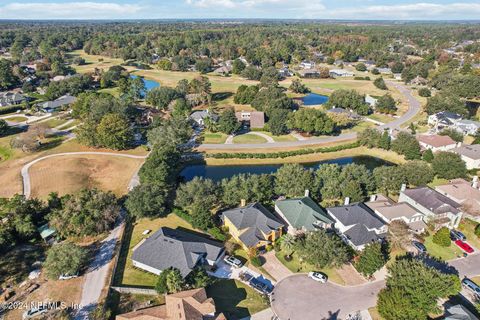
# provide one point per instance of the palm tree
(288, 244)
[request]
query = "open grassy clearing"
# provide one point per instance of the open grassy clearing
(55, 122)
(444, 253)
(127, 274)
(93, 61)
(385, 118)
(69, 174)
(214, 137)
(113, 91)
(361, 126)
(249, 138)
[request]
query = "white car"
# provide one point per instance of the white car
(318, 276)
(232, 261)
(35, 312)
(68, 276)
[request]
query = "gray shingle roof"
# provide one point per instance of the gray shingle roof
(469, 151)
(360, 235)
(255, 219)
(62, 101)
(176, 248)
(432, 200)
(356, 213)
(302, 213)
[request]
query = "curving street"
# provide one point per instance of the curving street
(300, 298)
(414, 107)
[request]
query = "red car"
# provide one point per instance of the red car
(464, 246)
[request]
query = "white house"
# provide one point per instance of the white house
(470, 154)
(436, 142)
(370, 100)
(443, 120)
(339, 73)
(307, 65)
(199, 117)
(466, 127)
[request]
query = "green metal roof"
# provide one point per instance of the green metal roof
(302, 212)
(46, 231)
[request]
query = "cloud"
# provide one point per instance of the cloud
(273, 6)
(70, 10)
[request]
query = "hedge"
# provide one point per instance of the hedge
(12, 108)
(282, 154)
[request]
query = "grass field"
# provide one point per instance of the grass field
(381, 117)
(282, 138)
(235, 299)
(214, 137)
(55, 122)
(93, 61)
(468, 226)
(72, 173)
(444, 253)
(249, 138)
(17, 119)
(296, 266)
(126, 273)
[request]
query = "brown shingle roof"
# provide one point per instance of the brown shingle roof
(469, 151)
(436, 140)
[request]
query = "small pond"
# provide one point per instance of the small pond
(312, 99)
(149, 84)
(217, 173)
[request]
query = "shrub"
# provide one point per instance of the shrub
(217, 234)
(424, 92)
(442, 237)
(256, 261)
(477, 230)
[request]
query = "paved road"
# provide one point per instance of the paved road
(27, 188)
(300, 298)
(413, 109)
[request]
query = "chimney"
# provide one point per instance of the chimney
(373, 197)
(404, 187)
(243, 203)
(475, 182)
(307, 193)
(347, 201)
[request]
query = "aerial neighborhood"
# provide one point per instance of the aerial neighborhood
(238, 168)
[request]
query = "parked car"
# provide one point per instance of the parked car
(457, 235)
(68, 276)
(34, 312)
(260, 286)
(419, 246)
(464, 246)
(472, 286)
(232, 261)
(318, 276)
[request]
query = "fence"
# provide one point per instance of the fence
(135, 290)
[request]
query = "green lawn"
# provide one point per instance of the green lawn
(468, 226)
(5, 152)
(113, 91)
(282, 138)
(235, 299)
(217, 137)
(55, 122)
(381, 117)
(126, 273)
(249, 138)
(444, 253)
(296, 266)
(17, 119)
(437, 182)
(361, 126)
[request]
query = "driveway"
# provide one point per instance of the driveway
(414, 107)
(274, 267)
(300, 298)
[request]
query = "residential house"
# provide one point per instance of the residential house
(223, 70)
(443, 211)
(371, 100)
(186, 305)
(470, 154)
(285, 72)
(350, 114)
(465, 193)
(458, 312)
(47, 233)
(55, 105)
(309, 73)
(252, 225)
(175, 248)
(339, 62)
(467, 127)
(201, 115)
(11, 98)
(340, 73)
(254, 119)
(390, 211)
(436, 142)
(442, 120)
(307, 65)
(302, 214)
(384, 70)
(357, 224)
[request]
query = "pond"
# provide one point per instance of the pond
(312, 99)
(149, 84)
(217, 173)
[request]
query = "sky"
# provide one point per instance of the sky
(224, 9)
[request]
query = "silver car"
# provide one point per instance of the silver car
(232, 261)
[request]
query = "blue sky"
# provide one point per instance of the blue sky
(312, 9)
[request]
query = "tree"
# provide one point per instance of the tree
(323, 249)
(407, 145)
(298, 87)
(199, 278)
(161, 166)
(7, 78)
(277, 121)
(64, 259)
(418, 173)
(201, 217)
(449, 165)
(161, 284)
(397, 67)
(204, 65)
(446, 101)
(424, 92)
(413, 290)
(398, 235)
(348, 99)
(370, 137)
(371, 259)
(181, 109)
(442, 237)
(380, 83)
(250, 187)
(228, 122)
(114, 132)
(385, 140)
(175, 281)
(452, 133)
(245, 94)
(389, 179)
(386, 104)
(292, 180)
(3, 127)
(312, 121)
(428, 155)
(147, 200)
(161, 97)
(288, 244)
(361, 67)
(174, 131)
(237, 66)
(197, 192)
(251, 73)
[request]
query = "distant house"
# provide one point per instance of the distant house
(307, 65)
(350, 114)
(385, 70)
(183, 250)
(186, 305)
(252, 225)
(390, 211)
(11, 98)
(467, 127)
(55, 105)
(340, 73)
(371, 100)
(442, 120)
(436, 207)
(436, 142)
(465, 193)
(200, 116)
(223, 70)
(309, 73)
(470, 154)
(285, 72)
(254, 119)
(357, 224)
(302, 215)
